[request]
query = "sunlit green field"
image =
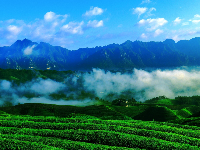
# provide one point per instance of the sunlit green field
(79, 131)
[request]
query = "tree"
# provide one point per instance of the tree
(119, 102)
(7, 104)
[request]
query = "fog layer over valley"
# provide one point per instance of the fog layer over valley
(81, 89)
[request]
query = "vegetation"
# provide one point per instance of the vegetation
(87, 132)
(124, 123)
(124, 102)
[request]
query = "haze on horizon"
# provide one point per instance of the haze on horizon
(75, 24)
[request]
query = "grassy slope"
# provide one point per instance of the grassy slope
(106, 111)
(184, 114)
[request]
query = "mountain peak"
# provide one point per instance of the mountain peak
(22, 44)
(128, 41)
(26, 41)
(169, 41)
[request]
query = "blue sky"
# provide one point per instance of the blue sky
(77, 24)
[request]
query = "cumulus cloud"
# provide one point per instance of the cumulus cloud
(44, 29)
(197, 16)
(95, 23)
(73, 27)
(195, 21)
(144, 36)
(94, 11)
(177, 21)
(139, 10)
(11, 32)
(146, 1)
(51, 16)
(153, 23)
(29, 50)
(158, 32)
(14, 29)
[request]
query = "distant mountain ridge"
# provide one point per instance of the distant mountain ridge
(26, 54)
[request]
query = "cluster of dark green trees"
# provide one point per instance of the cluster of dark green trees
(124, 102)
(155, 99)
(184, 100)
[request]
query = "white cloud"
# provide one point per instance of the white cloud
(195, 21)
(150, 10)
(144, 36)
(46, 29)
(11, 32)
(14, 29)
(139, 10)
(72, 27)
(28, 50)
(175, 38)
(142, 84)
(185, 23)
(158, 32)
(50, 16)
(46, 86)
(170, 83)
(182, 34)
(95, 23)
(153, 23)
(177, 21)
(146, 1)
(197, 16)
(5, 85)
(94, 11)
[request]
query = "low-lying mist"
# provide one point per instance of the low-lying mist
(83, 88)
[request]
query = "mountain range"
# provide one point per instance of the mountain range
(25, 54)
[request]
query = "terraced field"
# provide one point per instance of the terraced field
(88, 132)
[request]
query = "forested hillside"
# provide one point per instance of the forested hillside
(26, 54)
